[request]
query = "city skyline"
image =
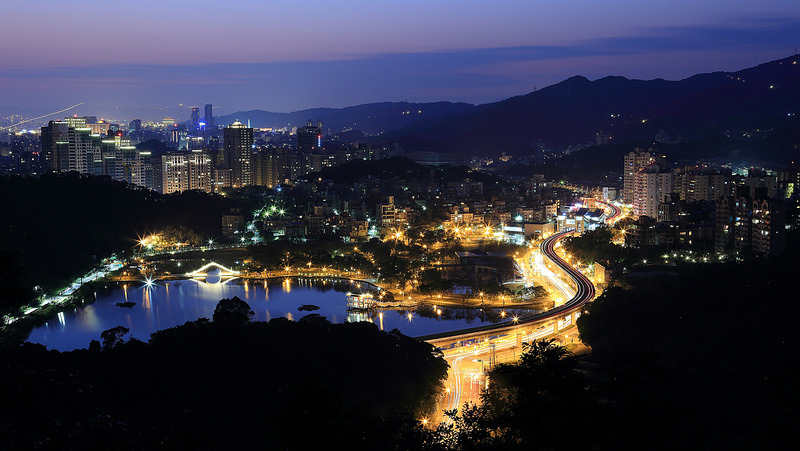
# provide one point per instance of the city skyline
(153, 61)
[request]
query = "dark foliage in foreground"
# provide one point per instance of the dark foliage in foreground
(58, 226)
(699, 360)
(223, 385)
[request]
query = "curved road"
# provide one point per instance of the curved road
(584, 292)
(585, 288)
(616, 212)
(489, 344)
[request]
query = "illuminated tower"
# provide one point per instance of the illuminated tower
(209, 117)
(238, 153)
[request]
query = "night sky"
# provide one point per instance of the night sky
(151, 59)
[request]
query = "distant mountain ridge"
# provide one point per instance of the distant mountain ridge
(575, 110)
(371, 118)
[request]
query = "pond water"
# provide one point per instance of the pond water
(168, 304)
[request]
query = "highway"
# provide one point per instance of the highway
(615, 214)
(469, 351)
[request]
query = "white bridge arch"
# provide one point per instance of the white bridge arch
(204, 271)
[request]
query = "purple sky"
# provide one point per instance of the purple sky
(151, 59)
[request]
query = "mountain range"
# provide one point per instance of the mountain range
(371, 118)
(738, 104)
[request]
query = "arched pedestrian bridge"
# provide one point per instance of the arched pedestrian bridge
(212, 272)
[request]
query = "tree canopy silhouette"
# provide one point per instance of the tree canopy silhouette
(233, 310)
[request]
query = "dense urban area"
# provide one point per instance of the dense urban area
(631, 293)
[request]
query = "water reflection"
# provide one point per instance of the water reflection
(171, 303)
(357, 316)
(146, 296)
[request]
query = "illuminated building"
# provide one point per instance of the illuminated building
(186, 171)
(651, 186)
(221, 178)
(750, 223)
(270, 167)
(195, 118)
(209, 116)
(391, 217)
(76, 148)
(54, 141)
(633, 162)
(309, 138)
(238, 153)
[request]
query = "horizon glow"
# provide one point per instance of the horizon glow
(149, 59)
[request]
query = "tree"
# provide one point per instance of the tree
(16, 289)
(113, 337)
(529, 405)
(233, 310)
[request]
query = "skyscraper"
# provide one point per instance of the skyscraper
(72, 146)
(195, 118)
(54, 142)
(634, 161)
(651, 186)
(238, 153)
(209, 117)
(309, 138)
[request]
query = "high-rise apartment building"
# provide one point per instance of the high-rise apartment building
(650, 187)
(76, 122)
(238, 153)
(693, 187)
(633, 162)
(82, 148)
(54, 141)
(186, 171)
(750, 223)
(70, 145)
(271, 167)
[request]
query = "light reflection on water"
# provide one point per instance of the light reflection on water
(169, 304)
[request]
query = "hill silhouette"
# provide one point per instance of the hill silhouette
(371, 118)
(573, 111)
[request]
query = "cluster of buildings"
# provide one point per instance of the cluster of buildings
(374, 206)
(204, 162)
(699, 206)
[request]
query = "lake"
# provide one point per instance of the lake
(168, 304)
